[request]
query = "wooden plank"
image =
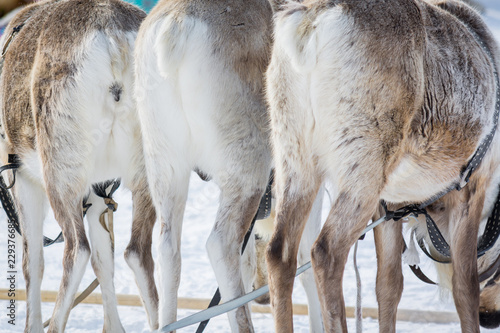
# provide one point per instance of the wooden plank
(416, 316)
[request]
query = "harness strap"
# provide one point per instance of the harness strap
(9, 40)
(264, 210)
(486, 242)
(421, 244)
(6, 197)
(491, 231)
(13, 34)
(476, 159)
(421, 275)
(492, 280)
(8, 205)
(109, 212)
(493, 269)
(436, 237)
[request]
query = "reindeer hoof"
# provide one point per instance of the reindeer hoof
(263, 300)
(489, 319)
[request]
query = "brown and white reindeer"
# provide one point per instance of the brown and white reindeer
(388, 100)
(68, 113)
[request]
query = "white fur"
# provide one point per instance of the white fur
(301, 49)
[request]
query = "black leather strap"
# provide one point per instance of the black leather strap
(421, 275)
(491, 231)
(265, 203)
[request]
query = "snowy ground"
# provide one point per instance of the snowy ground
(197, 277)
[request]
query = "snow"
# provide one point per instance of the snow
(197, 278)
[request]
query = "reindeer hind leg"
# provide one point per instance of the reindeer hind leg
(31, 205)
(236, 211)
(138, 252)
(103, 263)
(389, 286)
(65, 171)
(311, 232)
(292, 210)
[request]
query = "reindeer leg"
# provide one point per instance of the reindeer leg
(102, 260)
(294, 201)
(31, 205)
(170, 201)
(68, 213)
(389, 246)
(138, 252)
(249, 263)
(464, 255)
(65, 150)
(347, 219)
(311, 232)
(236, 211)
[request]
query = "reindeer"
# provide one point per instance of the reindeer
(68, 113)
(199, 87)
(388, 100)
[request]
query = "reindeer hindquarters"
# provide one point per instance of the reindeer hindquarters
(64, 148)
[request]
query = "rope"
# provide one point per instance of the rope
(225, 307)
